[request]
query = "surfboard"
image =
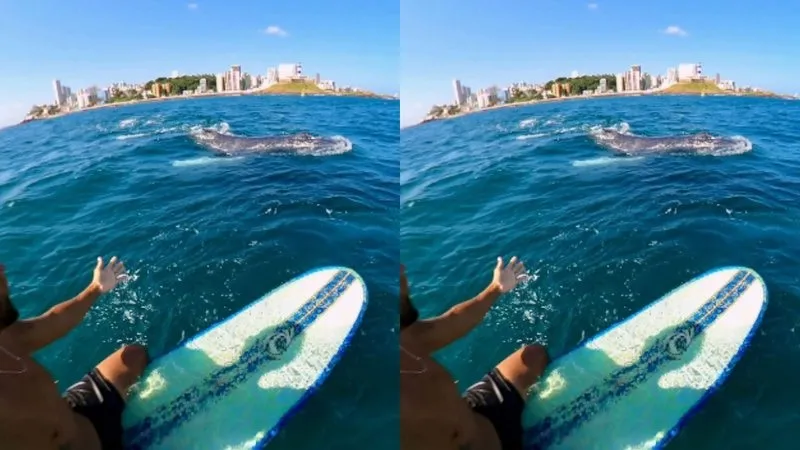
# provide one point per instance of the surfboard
(634, 385)
(235, 385)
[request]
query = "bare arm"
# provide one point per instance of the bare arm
(438, 332)
(38, 332)
(59, 320)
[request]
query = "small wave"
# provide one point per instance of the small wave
(528, 122)
(340, 145)
(525, 137)
(127, 123)
(221, 128)
(740, 145)
(604, 160)
(125, 137)
(203, 160)
(622, 128)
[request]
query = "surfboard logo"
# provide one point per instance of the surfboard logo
(679, 342)
(279, 342)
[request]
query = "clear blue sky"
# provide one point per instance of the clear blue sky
(85, 42)
(485, 42)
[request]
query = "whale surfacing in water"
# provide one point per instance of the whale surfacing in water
(301, 143)
(626, 143)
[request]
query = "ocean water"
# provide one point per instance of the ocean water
(604, 235)
(204, 236)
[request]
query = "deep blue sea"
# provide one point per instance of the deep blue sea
(606, 235)
(204, 236)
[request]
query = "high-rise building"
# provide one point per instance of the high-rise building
(236, 78)
(716, 79)
(484, 98)
(620, 82)
(672, 76)
(202, 87)
(458, 92)
(316, 79)
(220, 82)
(272, 76)
(603, 86)
(636, 78)
(59, 93)
(287, 72)
(688, 71)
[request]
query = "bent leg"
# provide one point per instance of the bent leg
(123, 367)
(100, 395)
(524, 367)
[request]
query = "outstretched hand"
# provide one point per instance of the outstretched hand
(506, 278)
(106, 278)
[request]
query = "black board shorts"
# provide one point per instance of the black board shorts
(95, 398)
(495, 398)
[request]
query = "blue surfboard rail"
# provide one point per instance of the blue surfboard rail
(314, 387)
(661, 443)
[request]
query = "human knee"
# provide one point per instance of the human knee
(535, 356)
(134, 357)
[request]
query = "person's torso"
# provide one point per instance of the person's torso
(433, 415)
(32, 412)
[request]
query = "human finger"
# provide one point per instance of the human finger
(512, 262)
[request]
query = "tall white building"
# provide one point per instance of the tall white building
(603, 87)
(234, 79)
(688, 71)
(636, 78)
(620, 82)
(220, 82)
(484, 98)
(202, 88)
(458, 92)
(672, 76)
(289, 71)
(59, 92)
(272, 76)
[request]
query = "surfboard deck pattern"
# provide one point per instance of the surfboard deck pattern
(234, 385)
(634, 385)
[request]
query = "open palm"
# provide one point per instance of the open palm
(506, 278)
(107, 278)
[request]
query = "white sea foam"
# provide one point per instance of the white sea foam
(125, 137)
(203, 161)
(604, 160)
(127, 123)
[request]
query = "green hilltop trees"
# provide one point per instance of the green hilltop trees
(185, 83)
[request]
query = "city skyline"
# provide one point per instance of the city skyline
(633, 80)
(330, 37)
(591, 38)
(230, 81)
